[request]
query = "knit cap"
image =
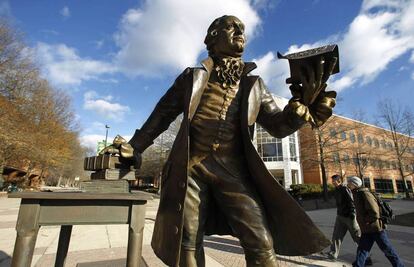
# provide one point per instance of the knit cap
(355, 181)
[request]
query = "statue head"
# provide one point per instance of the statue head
(225, 37)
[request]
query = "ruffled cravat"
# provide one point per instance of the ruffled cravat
(229, 71)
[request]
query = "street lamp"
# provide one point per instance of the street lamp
(106, 135)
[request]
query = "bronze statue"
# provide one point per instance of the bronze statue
(214, 181)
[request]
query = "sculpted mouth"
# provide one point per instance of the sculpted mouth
(239, 39)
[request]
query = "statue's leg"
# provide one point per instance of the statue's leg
(245, 214)
(195, 211)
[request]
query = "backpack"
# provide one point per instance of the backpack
(386, 213)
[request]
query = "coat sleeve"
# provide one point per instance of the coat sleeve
(164, 113)
(372, 213)
(279, 123)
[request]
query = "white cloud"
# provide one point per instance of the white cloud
(63, 66)
(371, 43)
(379, 34)
(341, 83)
(168, 35)
(91, 140)
(65, 12)
(274, 73)
(412, 75)
(102, 105)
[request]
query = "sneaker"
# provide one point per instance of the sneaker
(330, 256)
(368, 261)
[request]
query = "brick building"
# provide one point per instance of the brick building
(349, 147)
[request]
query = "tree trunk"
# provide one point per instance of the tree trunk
(323, 170)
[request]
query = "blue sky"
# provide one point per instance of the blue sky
(117, 58)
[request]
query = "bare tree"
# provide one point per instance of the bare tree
(154, 157)
(399, 124)
(329, 146)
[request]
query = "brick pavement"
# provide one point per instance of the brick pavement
(106, 245)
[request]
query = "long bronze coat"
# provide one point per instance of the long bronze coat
(293, 231)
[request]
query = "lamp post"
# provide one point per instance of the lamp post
(106, 135)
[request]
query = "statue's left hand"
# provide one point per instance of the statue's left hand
(310, 100)
(312, 81)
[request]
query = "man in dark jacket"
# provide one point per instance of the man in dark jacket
(345, 218)
(214, 181)
(372, 228)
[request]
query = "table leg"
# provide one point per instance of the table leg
(27, 228)
(135, 234)
(63, 246)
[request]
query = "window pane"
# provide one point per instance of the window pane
(352, 137)
(360, 138)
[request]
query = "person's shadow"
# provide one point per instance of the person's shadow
(5, 259)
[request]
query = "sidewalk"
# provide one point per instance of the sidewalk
(106, 245)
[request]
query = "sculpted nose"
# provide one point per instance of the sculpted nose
(238, 30)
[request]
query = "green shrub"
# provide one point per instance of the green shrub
(309, 191)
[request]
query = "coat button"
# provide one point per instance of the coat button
(182, 184)
(175, 230)
(179, 207)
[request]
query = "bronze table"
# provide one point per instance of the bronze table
(68, 209)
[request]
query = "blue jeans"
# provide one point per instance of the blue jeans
(365, 245)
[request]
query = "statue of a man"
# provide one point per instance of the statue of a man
(214, 181)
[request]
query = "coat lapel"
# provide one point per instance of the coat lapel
(200, 79)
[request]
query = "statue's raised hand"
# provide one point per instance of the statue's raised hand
(312, 80)
(313, 102)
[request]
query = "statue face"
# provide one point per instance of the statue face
(230, 39)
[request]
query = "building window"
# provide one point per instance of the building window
(346, 159)
(360, 138)
(269, 147)
(389, 145)
(332, 132)
(355, 160)
(383, 185)
(400, 186)
(368, 141)
(376, 142)
(383, 144)
(343, 135)
(292, 147)
(335, 157)
(352, 137)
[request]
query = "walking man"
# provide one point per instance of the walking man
(345, 217)
(372, 228)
